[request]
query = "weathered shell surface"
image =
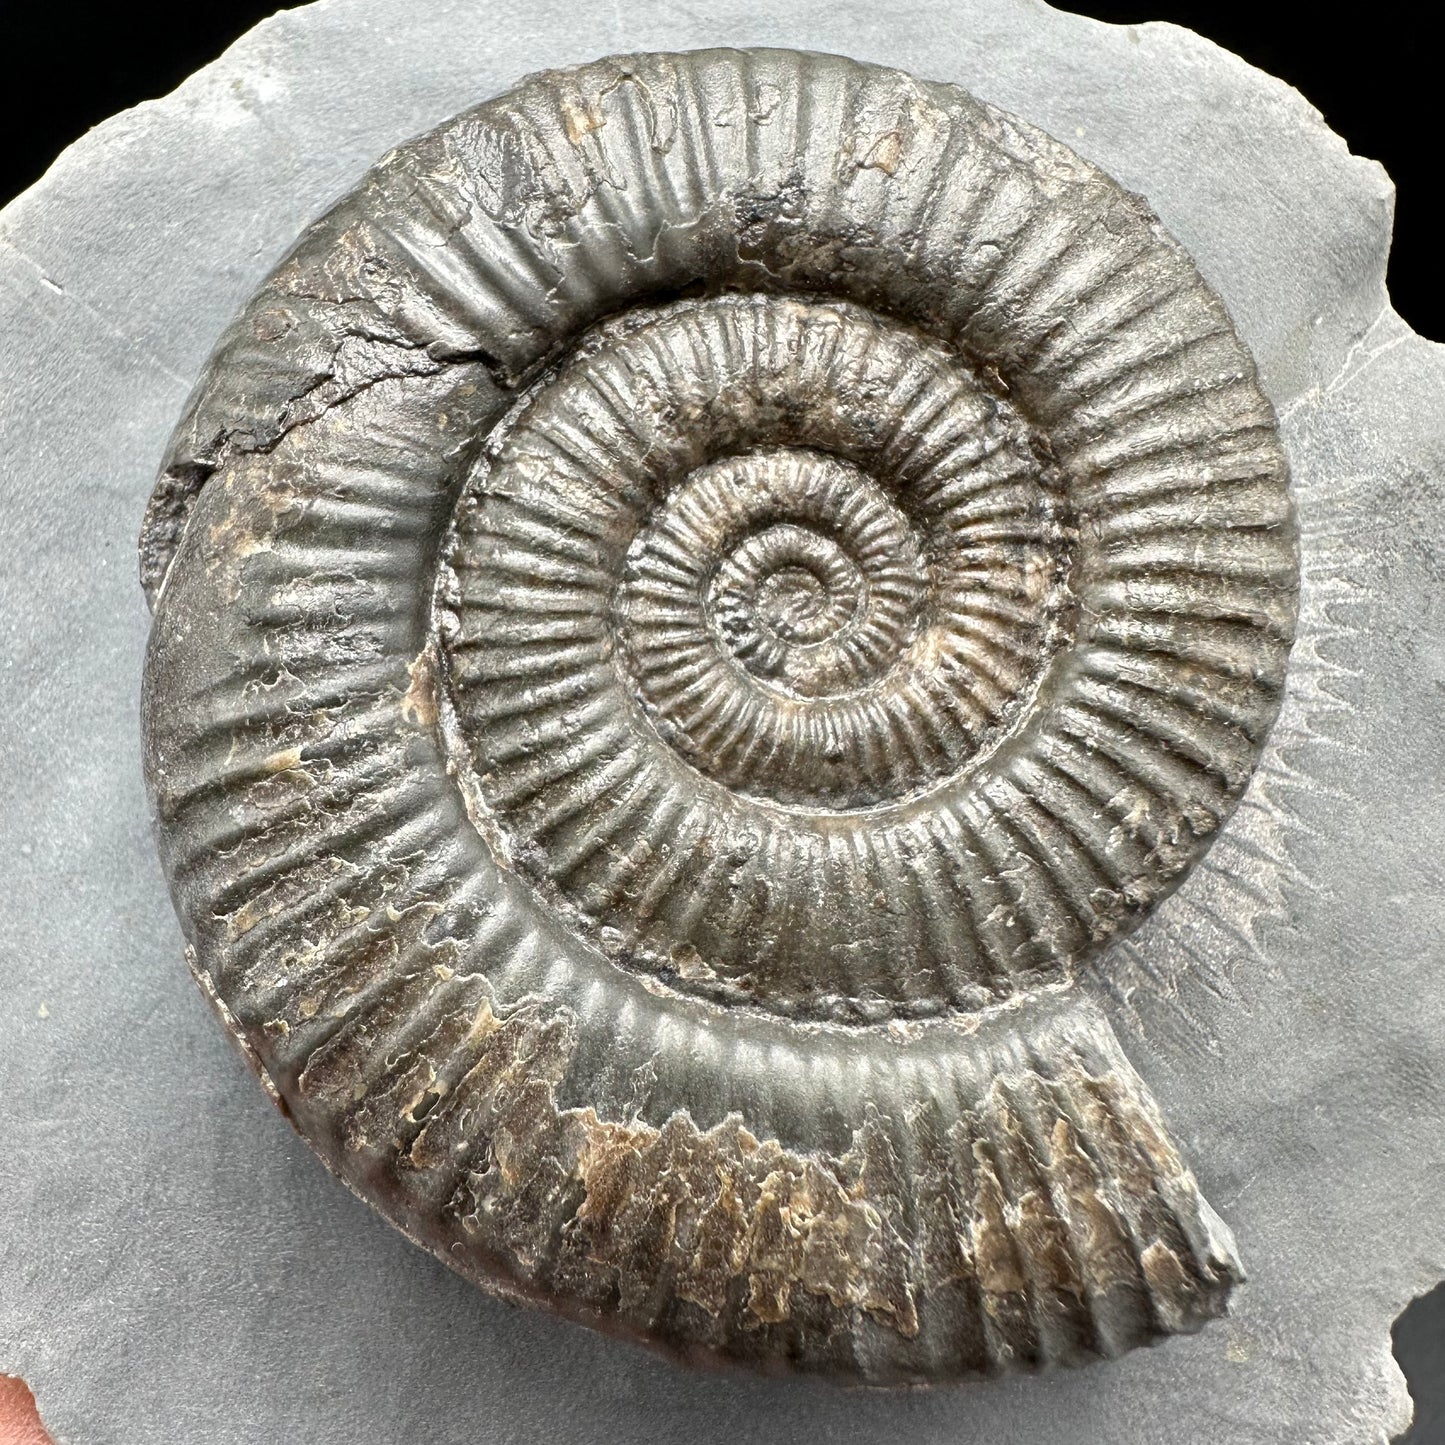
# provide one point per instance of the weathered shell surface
(685, 610)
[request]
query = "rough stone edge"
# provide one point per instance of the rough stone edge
(135, 123)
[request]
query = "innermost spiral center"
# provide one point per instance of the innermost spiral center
(798, 606)
(792, 583)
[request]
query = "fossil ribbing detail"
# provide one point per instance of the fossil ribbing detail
(687, 610)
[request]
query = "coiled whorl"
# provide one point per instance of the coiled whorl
(686, 610)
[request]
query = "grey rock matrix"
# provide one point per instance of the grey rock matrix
(1281, 1003)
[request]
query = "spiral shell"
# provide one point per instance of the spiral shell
(686, 610)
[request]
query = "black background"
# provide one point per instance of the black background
(1371, 71)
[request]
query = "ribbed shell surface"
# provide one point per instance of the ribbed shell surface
(686, 609)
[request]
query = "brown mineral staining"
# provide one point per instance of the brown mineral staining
(715, 1206)
(995, 1253)
(246, 917)
(1170, 1283)
(581, 118)
(1107, 1257)
(672, 663)
(885, 152)
(419, 704)
(690, 964)
(728, 1219)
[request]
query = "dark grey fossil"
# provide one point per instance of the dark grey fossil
(688, 610)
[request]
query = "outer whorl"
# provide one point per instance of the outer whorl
(685, 610)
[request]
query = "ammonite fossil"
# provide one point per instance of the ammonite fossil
(688, 611)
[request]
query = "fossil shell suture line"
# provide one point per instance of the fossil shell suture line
(689, 611)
